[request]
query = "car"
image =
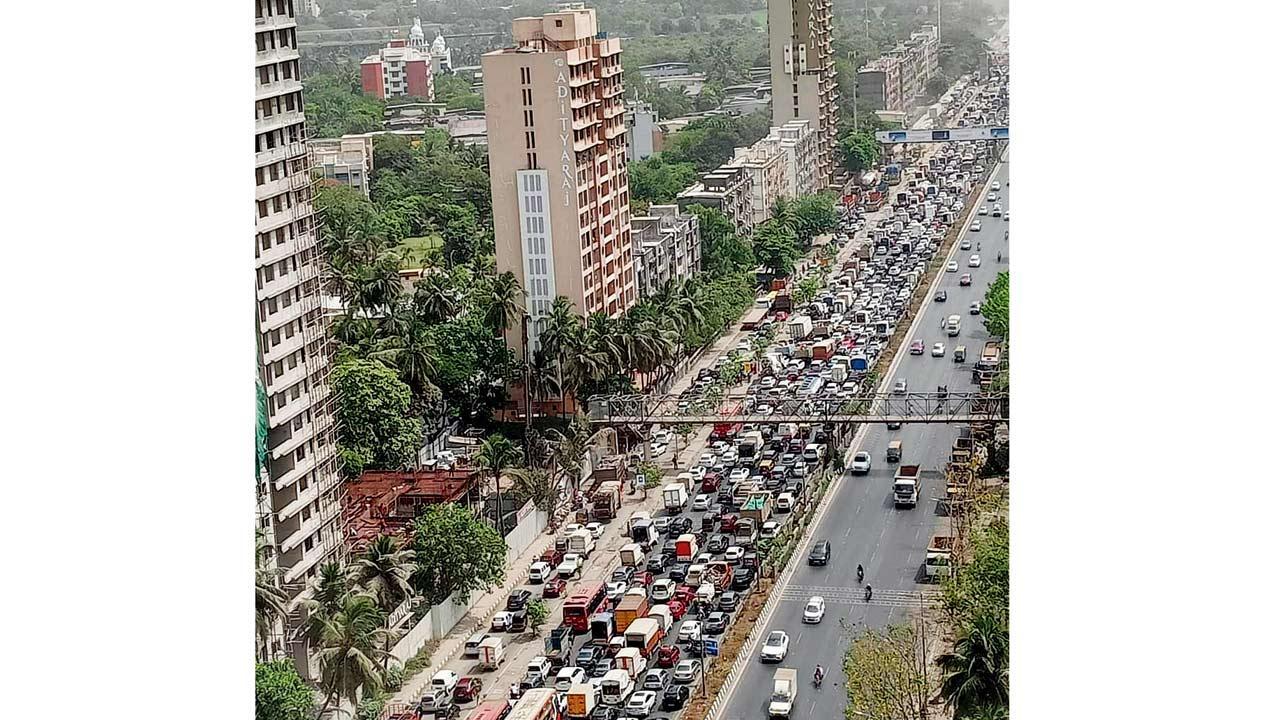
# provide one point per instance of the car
(569, 676)
(739, 474)
(553, 557)
(821, 553)
(995, 185)
(728, 601)
(996, 210)
(975, 260)
(519, 621)
(900, 386)
(641, 703)
(518, 599)
(733, 554)
(662, 590)
(445, 680)
(687, 671)
(624, 574)
(689, 632)
(654, 680)
(975, 308)
(715, 623)
(674, 697)
(596, 529)
(658, 563)
(677, 606)
(678, 572)
(939, 350)
(588, 655)
(679, 526)
(775, 647)
(975, 226)
(991, 196)
(571, 566)
(501, 621)
(815, 609)
(917, 347)
(742, 578)
(770, 529)
(965, 244)
(539, 572)
(554, 588)
(706, 460)
(615, 590)
(953, 266)
(570, 529)
(1006, 216)
(940, 296)
(661, 523)
(667, 656)
(437, 703)
(467, 689)
(982, 210)
(701, 502)
(966, 280)
(861, 463)
(718, 543)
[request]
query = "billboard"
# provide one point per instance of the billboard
(891, 137)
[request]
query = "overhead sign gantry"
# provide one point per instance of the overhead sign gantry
(893, 137)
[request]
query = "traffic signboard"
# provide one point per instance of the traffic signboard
(711, 647)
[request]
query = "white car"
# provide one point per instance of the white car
(770, 529)
(662, 590)
(701, 502)
(939, 350)
(690, 631)
(657, 448)
(501, 621)
(734, 554)
(953, 266)
(571, 565)
(615, 590)
(569, 676)
(975, 261)
(975, 308)
(861, 463)
(539, 572)
(965, 244)
(982, 209)
(991, 196)
(975, 226)
(697, 472)
(767, 382)
(445, 680)
(706, 460)
(596, 529)
(654, 680)
(995, 185)
(815, 609)
(775, 647)
(570, 529)
(687, 671)
(729, 455)
(738, 475)
(640, 704)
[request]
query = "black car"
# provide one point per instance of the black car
(601, 668)
(673, 698)
(519, 599)
(669, 548)
(715, 623)
(679, 572)
(940, 296)
(728, 601)
(680, 526)
(589, 656)
(718, 544)
(606, 712)
(742, 578)
(519, 621)
(820, 553)
(658, 565)
(624, 574)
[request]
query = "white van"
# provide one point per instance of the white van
(616, 687)
(952, 325)
(812, 453)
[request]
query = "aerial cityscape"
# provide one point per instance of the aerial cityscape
(623, 359)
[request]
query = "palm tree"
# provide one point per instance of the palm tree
(497, 454)
(544, 380)
(434, 298)
(535, 484)
(976, 671)
(383, 571)
(571, 446)
(350, 650)
(505, 302)
(412, 353)
(269, 598)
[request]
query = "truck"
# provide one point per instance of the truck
(645, 634)
(839, 372)
(637, 517)
(906, 486)
(799, 327)
(632, 555)
(630, 609)
(582, 543)
(822, 350)
(632, 660)
(581, 701)
(645, 533)
(686, 547)
(606, 500)
(719, 573)
(745, 533)
(858, 362)
(782, 302)
(662, 614)
(750, 445)
(559, 645)
(723, 430)
(990, 359)
(784, 692)
(674, 497)
(602, 628)
(616, 686)
(758, 506)
(952, 325)
(937, 558)
(492, 653)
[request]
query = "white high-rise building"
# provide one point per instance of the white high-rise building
(802, 72)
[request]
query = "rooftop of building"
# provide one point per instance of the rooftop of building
(386, 502)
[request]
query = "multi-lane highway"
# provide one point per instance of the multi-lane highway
(861, 522)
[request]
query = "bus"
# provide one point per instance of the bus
(491, 710)
(584, 601)
(724, 430)
(536, 704)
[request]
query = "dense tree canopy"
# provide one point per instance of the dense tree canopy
(281, 694)
(335, 106)
(776, 248)
(653, 180)
(455, 552)
(995, 306)
(375, 427)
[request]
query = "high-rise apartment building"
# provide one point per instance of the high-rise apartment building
(802, 71)
(398, 70)
(298, 492)
(558, 171)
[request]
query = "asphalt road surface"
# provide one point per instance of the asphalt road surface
(862, 524)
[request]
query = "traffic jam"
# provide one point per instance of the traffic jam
(635, 644)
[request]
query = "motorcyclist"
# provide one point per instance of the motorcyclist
(818, 672)
(999, 257)
(868, 593)
(859, 572)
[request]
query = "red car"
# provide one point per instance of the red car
(467, 689)
(728, 523)
(710, 483)
(642, 579)
(553, 588)
(677, 607)
(553, 557)
(917, 347)
(668, 656)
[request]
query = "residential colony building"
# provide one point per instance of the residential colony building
(345, 161)
(298, 492)
(558, 171)
(666, 248)
(728, 189)
(398, 70)
(893, 80)
(803, 72)
(643, 136)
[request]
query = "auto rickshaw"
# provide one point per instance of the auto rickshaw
(894, 453)
(958, 355)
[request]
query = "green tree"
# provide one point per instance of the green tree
(723, 251)
(497, 455)
(570, 447)
(806, 290)
(815, 215)
(860, 151)
(471, 365)
(372, 410)
(655, 181)
(334, 108)
(383, 571)
(887, 678)
(351, 643)
(995, 306)
(269, 598)
(775, 247)
(455, 552)
(534, 484)
(538, 613)
(976, 671)
(281, 694)
(505, 302)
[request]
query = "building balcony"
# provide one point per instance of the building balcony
(582, 123)
(287, 282)
(609, 47)
(274, 22)
(608, 71)
(279, 87)
(614, 109)
(272, 188)
(279, 120)
(275, 55)
(581, 102)
(580, 80)
(276, 154)
(283, 316)
(611, 90)
(326, 515)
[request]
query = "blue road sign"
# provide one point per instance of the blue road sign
(897, 136)
(711, 647)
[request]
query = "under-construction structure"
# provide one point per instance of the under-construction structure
(386, 502)
(297, 479)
